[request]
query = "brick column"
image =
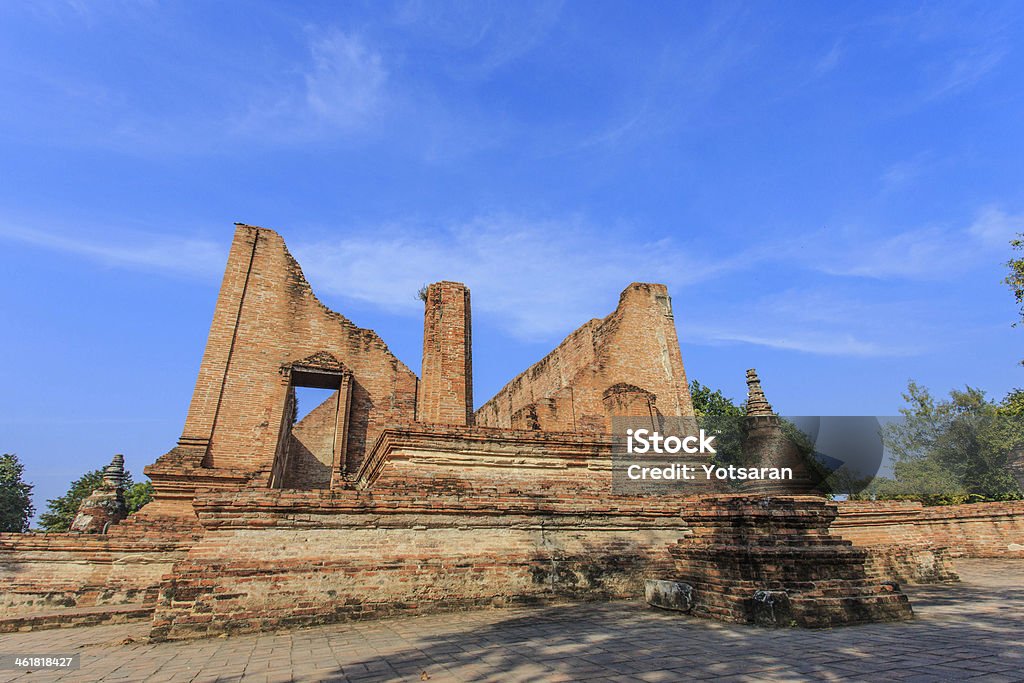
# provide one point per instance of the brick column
(445, 393)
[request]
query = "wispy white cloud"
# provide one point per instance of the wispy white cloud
(538, 277)
(346, 81)
(966, 70)
(481, 36)
(926, 253)
(902, 173)
(826, 319)
(616, 131)
(830, 60)
(818, 344)
(173, 254)
(959, 46)
(341, 89)
(678, 87)
(994, 227)
(919, 253)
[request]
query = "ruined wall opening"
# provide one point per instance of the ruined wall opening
(313, 438)
(307, 399)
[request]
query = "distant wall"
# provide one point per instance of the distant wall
(311, 447)
(635, 346)
(974, 530)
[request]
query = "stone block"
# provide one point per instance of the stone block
(771, 608)
(673, 595)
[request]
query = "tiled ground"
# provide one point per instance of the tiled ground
(972, 630)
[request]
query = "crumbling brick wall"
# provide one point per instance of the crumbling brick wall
(443, 518)
(311, 448)
(46, 572)
(265, 318)
(634, 346)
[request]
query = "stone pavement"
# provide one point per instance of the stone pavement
(971, 630)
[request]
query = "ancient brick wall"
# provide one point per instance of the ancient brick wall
(267, 317)
(433, 459)
(975, 530)
(978, 529)
(444, 518)
(46, 572)
(775, 561)
(636, 345)
(276, 558)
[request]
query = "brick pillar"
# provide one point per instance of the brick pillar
(445, 393)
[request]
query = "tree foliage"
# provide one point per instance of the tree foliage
(717, 414)
(954, 450)
(138, 494)
(1015, 278)
(60, 512)
(15, 495)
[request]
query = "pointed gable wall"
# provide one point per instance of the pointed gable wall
(267, 319)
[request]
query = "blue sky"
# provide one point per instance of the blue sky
(827, 189)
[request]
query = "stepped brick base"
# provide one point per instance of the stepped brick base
(773, 561)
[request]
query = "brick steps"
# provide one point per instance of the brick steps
(77, 616)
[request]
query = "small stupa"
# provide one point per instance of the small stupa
(106, 505)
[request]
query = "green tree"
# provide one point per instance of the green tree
(137, 495)
(15, 495)
(61, 511)
(955, 450)
(717, 414)
(1015, 278)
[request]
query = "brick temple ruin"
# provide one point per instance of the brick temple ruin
(395, 496)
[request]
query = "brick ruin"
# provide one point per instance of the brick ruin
(106, 505)
(394, 495)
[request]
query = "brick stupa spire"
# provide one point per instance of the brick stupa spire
(113, 474)
(767, 445)
(757, 404)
